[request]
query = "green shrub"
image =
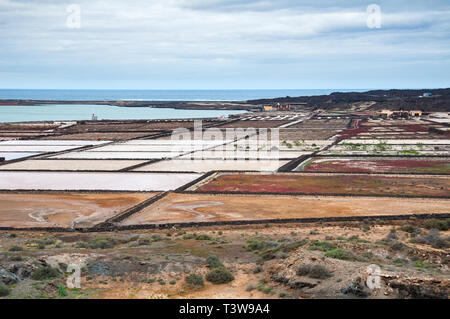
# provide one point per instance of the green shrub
(437, 224)
(202, 237)
(270, 250)
(62, 292)
(195, 280)
(16, 248)
(423, 264)
(398, 246)
(340, 254)
(219, 275)
(314, 271)
(172, 282)
(433, 238)
(98, 243)
(144, 241)
(408, 228)
(322, 246)
(45, 241)
(213, 262)
(4, 290)
(45, 273)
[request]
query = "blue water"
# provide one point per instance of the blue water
(71, 112)
(159, 95)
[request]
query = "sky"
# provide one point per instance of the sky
(224, 44)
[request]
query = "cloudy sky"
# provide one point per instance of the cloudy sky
(224, 44)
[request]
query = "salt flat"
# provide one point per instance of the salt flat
(71, 165)
(93, 181)
(203, 166)
(117, 155)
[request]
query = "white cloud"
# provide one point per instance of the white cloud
(180, 37)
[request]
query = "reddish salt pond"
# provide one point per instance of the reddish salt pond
(338, 184)
(378, 165)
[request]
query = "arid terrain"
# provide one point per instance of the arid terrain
(315, 205)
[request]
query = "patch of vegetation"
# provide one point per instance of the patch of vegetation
(62, 292)
(195, 280)
(271, 250)
(213, 262)
(340, 254)
(356, 239)
(16, 248)
(45, 273)
(433, 238)
(400, 262)
(423, 264)
(408, 228)
(98, 243)
(398, 246)
(322, 246)
(4, 290)
(144, 241)
(172, 282)
(44, 242)
(314, 271)
(219, 275)
(438, 224)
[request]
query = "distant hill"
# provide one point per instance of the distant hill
(380, 99)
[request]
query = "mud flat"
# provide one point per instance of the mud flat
(377, 165)
(391, 185)
(203, 166)
(179, 208)
(93, 181)
(70, 165)
(66, 210)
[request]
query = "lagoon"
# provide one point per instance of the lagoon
(79, 112)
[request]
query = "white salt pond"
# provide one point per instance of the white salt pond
(70, 165)
(93, 181)
(203, 166)
(117, 155)
(13, 156)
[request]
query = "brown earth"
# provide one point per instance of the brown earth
(64, 209)
(179, 208)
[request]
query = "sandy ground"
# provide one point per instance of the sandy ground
(64, 210)
(93, 181)
(177, 208)
(202, 166)
(71, 165)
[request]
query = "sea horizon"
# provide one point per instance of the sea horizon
(161, 95)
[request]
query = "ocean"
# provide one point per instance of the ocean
(72, 112)
(160, 95)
